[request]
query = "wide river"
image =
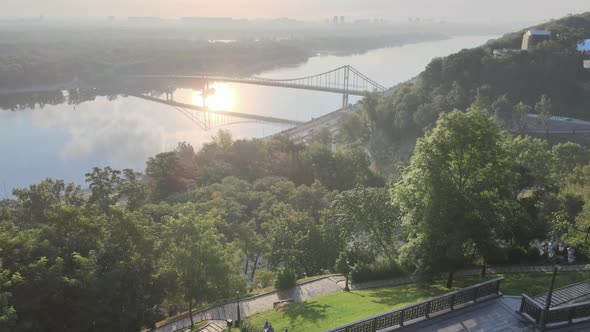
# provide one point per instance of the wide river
(66, 141)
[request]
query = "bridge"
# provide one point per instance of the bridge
(344, 80)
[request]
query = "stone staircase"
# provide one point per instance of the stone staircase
(213, 326)
(565, 294)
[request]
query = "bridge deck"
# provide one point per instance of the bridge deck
(277, 83)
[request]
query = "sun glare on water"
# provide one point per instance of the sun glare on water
(220, 97)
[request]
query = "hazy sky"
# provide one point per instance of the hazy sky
(455, 10)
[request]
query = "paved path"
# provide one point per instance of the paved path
(301, 292)
(565, 294)
(494, 315)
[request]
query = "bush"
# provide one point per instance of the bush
(286, 279)
(377, 270)
(263, 278)
(246, 326)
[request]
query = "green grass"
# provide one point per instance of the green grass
(533, 284)
(255, 292)
(331, 310)
(337, 309)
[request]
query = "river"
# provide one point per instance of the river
(65, 141)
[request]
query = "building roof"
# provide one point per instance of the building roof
(539, 32)
(584, 46)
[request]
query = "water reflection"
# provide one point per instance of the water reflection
(219, 97)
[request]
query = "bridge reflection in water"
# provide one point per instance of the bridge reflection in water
(208, 119)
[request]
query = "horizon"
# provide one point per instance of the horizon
(452, 11)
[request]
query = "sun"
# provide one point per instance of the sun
(220, 97)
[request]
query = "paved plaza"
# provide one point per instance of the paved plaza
(491, 316)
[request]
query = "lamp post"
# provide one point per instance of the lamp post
(238, 320)
(347, 274)
(556, 258)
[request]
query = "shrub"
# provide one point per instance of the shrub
(286, 279)
(263, 278)
(377, 270)
(246, 326)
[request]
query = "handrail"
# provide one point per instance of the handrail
(564, 315)
(423, 310)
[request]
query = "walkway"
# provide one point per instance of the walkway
(264, 302)
(214, 326)
(494, 315)
(565, 294)
(497, 315)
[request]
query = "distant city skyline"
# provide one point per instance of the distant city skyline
(316, 10)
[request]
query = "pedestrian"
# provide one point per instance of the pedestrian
(265, 325)
(270, 328)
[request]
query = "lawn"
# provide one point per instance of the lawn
(533, 284)
(337, 309)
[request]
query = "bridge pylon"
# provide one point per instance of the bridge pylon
(345, 95)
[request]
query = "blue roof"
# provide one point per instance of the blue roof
(584, 46)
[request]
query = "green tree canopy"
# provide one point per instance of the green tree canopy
(456, 193)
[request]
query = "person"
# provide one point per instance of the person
(270, 328)
(265, 327)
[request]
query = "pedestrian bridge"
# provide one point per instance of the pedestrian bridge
(344, 80)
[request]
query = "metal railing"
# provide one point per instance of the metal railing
(423, 310)
(564, 315)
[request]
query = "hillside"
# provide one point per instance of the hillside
(548, 78)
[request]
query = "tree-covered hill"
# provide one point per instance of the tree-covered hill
(507, 86)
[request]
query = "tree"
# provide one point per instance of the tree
(484, 97)
(370, 220)
(165, 173)
(502, 109)
(322, 136)
(7, 313)
(196, 256)
(38, 199)
(133, 190)
(291, 236)
(223, 139)
(456, 194)
(521, 112)
(569, 157)
(104, 185)
(544, 109)
(352, 128)
(369, 106)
